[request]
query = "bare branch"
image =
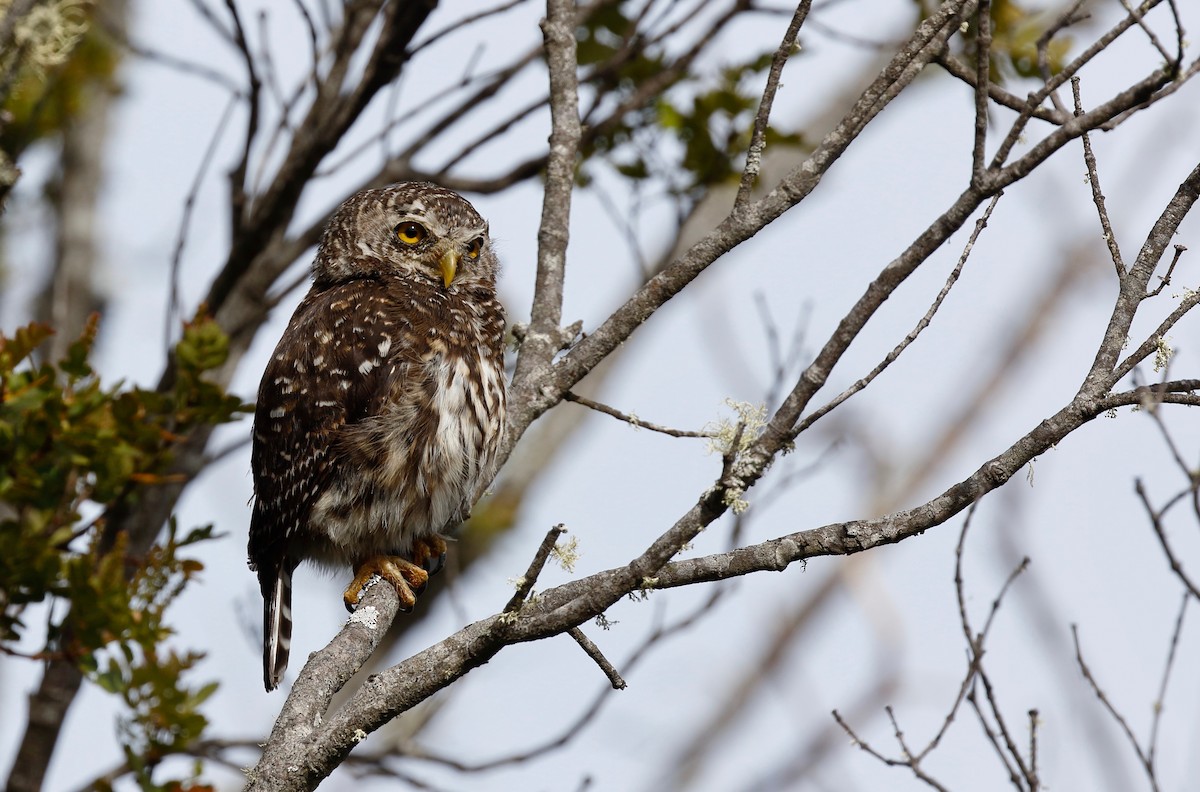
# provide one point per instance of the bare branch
(997, 94)
(529, 579)
(1161, 532)
(185, 223)
(758, 137)
(983, 68)
(632, 420)
(1070, 70)
(540, 344)
(593, 651)
(1068, 17)
(891, 357)
(1165, 280)
(1160, 703)
(1104, 371)
(739, 226)
(1145, 760)
(1089, 161)
(238, 197)
(463, 23)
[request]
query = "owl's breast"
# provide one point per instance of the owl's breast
(419, 458)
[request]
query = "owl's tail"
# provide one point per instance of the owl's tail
(277, 628)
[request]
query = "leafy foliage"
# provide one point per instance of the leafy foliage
(71, 449)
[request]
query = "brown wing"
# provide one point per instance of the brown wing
(324, 374)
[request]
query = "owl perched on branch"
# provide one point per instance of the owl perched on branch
(381, 411)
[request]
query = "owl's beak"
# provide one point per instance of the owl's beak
(449, 265)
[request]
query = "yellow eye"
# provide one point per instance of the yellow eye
(474, 247)
(410, 233)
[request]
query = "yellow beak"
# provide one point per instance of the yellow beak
(449, 264)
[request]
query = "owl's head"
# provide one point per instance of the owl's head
(411, 230)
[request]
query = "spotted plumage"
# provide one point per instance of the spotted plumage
(382, 408)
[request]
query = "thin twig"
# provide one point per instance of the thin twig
(209, 17)
(1147, 764)
(913, 764)
(758, 138)
(997, 94)
(1005, 734)
(1166, 56)
(632, 420)
(1036, 98)
(1165, 280)
(593, 651)
(314, 40)
(891, 357)
(908, 762)
(1068, 17)
(237, 179)
(185, 221)
(181, 65)
(462, 24)
(1151, 409)
(529, 579)
(1033, 746)
(1161, 701)
(1161, 532)
(975, 670)
(1089, 161)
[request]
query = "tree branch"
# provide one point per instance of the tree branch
(541, 340)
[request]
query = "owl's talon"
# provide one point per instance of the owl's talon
(435, 565)
(429, 553)
(407, 578)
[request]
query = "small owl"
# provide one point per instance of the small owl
(381, 411)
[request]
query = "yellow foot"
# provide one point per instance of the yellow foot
(406, 577)
(429, 553)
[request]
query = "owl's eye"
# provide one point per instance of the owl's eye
(410, 233)
(474, 247)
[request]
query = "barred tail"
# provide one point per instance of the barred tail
(277, 628)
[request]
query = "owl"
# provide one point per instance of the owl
(382, 408)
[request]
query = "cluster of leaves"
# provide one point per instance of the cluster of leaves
(164, 714)
(71, 450)
(709, 120)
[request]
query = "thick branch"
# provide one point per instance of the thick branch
(542, 339)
